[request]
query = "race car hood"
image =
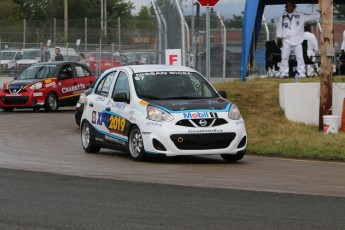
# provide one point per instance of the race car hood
(178, 105)
(21, 83)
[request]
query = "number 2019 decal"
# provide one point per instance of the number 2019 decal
(113, 122)
(117, 123)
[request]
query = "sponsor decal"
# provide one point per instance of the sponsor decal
(180, 103)
(48, 81)
(114, 140)
(100, 99)
(206, 131)
(94, 117)
(146, 133)
(132, 119)
(39, 94)
(151, 123)
(98, 139)
(239, 122)
(119, 106)
(141, 76)
(80, 86)
(15, 87)
(143, 103)
(51, 84)
(197, 115)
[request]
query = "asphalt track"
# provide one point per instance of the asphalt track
(50, 142)
(48, 182)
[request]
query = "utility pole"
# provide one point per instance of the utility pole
(327, 55)
(66, 19)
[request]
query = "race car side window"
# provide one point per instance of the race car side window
(81, 71)
(122, 85)
(104, 85)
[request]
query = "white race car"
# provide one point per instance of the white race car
(160, 109)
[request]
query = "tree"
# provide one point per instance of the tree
(234, 22)
(9, 10)
(48, 9)
(145, 19)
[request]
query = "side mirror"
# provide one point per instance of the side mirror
(120, 97)
(223, 94)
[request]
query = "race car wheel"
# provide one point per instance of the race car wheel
(8, 109)
(88, 138)
(136, 144)
(233, 157)
(51, 103)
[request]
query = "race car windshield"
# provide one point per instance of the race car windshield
(38, 72)
(172, 85)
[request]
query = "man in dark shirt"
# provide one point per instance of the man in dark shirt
(58, 55)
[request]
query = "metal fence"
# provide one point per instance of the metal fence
(132, 36)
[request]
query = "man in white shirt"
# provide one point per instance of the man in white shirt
(290, 32)
(313, 47)
(343, 44)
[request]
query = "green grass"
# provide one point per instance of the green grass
(270, 133)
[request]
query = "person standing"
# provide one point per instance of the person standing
(58, 55)
(313, 46)
(290, 35)
(82, 59)
(343, 43)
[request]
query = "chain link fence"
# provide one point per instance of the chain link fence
(138, 43)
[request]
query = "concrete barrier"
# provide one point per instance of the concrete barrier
(301, 101)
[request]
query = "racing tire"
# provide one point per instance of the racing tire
(88, 138)
(51, 103)
(233, 157)
(136, 144)
(8, 109)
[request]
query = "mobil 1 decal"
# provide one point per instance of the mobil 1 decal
(114, 122)
(200, 115)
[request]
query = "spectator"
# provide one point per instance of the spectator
(290, 35)
(313, 46)
(82, 59)
(343, 44)
(58, 55)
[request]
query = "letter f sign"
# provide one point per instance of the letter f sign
(172, 59)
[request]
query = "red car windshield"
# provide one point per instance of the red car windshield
(38, 72)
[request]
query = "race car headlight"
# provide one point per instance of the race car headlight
(2, 86)
(82, 98)
(234, 112)
(37, 85)
(157, 114)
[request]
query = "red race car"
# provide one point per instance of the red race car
(47, 85)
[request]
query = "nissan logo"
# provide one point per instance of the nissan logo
(203, 123)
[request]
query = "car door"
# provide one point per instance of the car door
(83, 75)
(119, 106)
(69, 88)
(98, 103)
(109, 117)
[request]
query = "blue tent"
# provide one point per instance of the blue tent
(252, 18)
